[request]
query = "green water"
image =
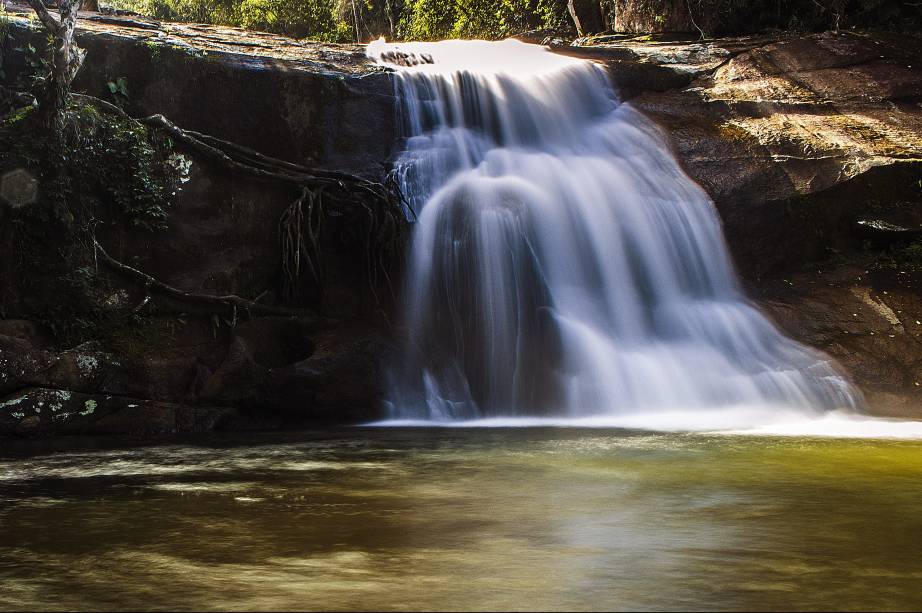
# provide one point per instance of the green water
(466, 519)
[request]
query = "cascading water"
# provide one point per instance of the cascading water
(562, 263)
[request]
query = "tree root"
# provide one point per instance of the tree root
(230, 303)
(374, 206)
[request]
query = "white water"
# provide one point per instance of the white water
(746, 421)
(564, 269)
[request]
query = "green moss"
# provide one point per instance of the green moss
(16, 116)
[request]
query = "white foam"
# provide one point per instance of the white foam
(742, 421)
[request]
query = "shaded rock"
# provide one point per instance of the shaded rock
(316, 104)
(277, 341)
(586, 16)
(882, 232)
(237, 380)
(20, 363)
(22, 329)
(220, 81)
(343, 380)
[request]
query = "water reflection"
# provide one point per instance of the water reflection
(466, 519)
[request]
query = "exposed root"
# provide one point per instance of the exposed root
(230, 304)
(374, 207)
(299, 239)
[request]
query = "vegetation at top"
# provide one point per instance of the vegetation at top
(348, 20)
(363, 20)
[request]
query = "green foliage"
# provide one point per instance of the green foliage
(427, 20)
(912, 253)
(119, 87)
(337, 20)
(120, 169)
(739, 16)
(4, 29)
(36, 66)
(298, 18)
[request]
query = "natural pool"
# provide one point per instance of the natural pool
(417, 518)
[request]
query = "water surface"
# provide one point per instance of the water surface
(484, 519)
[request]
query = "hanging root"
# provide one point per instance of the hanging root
(374, 206)
(299, 238)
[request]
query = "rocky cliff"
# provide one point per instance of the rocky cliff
(798, 140)
(318, 105)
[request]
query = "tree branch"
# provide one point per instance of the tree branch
(47, 19)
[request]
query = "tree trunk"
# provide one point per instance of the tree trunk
(587, 15)
(66, 60)
(90, 5)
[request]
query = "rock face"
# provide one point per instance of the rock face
(320, 105)
(657, 16)
(796, 139)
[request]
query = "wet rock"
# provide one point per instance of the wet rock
(869, 324)
(86, 368)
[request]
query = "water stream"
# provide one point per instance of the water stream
(563, 265)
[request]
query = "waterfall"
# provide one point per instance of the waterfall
(562, 263)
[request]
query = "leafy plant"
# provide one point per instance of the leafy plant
(119, 87)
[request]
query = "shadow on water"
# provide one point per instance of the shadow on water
(465, 519)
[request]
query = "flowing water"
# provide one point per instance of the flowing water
(529, 518)
(564, 272)
(562, 263)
